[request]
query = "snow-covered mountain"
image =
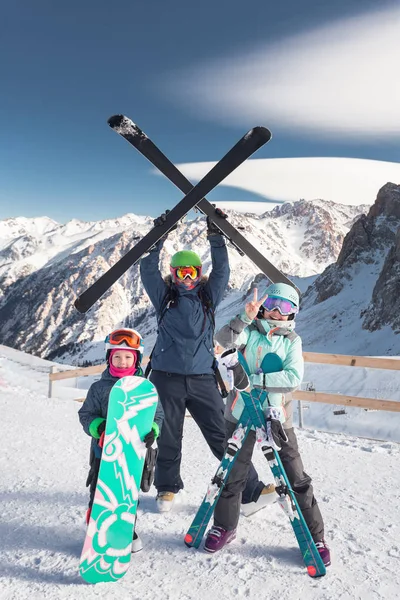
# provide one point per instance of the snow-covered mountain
(45, 265)
(27, 245)
(354, 305)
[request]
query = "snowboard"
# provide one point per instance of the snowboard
(106, 551)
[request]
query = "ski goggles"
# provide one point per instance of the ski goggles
(131, 339)
(184, 272)
(285, 307)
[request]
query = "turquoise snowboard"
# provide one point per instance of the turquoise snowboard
(106, 552)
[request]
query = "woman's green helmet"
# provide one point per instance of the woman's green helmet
(185, 258)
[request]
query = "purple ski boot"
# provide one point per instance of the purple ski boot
(217, 538)
(324, 552)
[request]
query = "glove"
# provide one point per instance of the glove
(101, 431)
(148, 469)
(230, 360)
(161, 219)
(94, 471)
(275, 432)
(212, 228)
(151, 437)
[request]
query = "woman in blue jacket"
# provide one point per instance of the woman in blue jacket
(183, 362)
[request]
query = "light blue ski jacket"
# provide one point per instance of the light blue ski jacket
(255, 339)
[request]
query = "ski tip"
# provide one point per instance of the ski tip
(262, 132)
(315, 571)
(80, 305)
(115, 121)
(188, 539)
(124, 126)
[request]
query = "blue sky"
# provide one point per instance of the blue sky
(66, 67)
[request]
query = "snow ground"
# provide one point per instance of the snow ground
(43, 465)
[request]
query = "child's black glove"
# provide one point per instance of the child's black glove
(275, 432)
(230, 360)
(151, 437)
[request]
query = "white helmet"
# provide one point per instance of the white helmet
(124, 339)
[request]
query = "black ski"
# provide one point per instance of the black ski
(252, 141)
(123, 126)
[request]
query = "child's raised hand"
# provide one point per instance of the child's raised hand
(253, 307)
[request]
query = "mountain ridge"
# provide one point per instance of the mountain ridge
(44, 267)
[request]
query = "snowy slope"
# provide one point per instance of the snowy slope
(44, 465)
(340, 316)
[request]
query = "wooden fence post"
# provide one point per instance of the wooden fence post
(52, 370)
(300, 411)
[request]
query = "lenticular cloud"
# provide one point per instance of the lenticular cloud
(340, 79)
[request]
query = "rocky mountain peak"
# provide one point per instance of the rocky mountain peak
(368, 265)
(385, 303)
(374, 232)
(387, 202)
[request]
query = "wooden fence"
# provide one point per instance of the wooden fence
(392, 364)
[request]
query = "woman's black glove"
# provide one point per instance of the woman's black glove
(161, 220)
(212, 228)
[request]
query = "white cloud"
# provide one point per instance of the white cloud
(340, 79)
(350, 181)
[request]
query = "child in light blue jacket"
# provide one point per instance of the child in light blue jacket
(266, 326)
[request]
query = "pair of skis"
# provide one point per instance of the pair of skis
(195, 197)
(253, 415)
(199, 524)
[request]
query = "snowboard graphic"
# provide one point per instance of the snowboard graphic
(107, 548)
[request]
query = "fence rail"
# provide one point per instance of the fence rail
(74, 373)
(343, 400)
(344, 360)
(392, 364)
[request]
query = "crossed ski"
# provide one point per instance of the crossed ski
(253, 415)
(249, 144)
(124, 127)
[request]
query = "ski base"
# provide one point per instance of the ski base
(253, 402)
(199, 524)
(311, 557)
(241, 151)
